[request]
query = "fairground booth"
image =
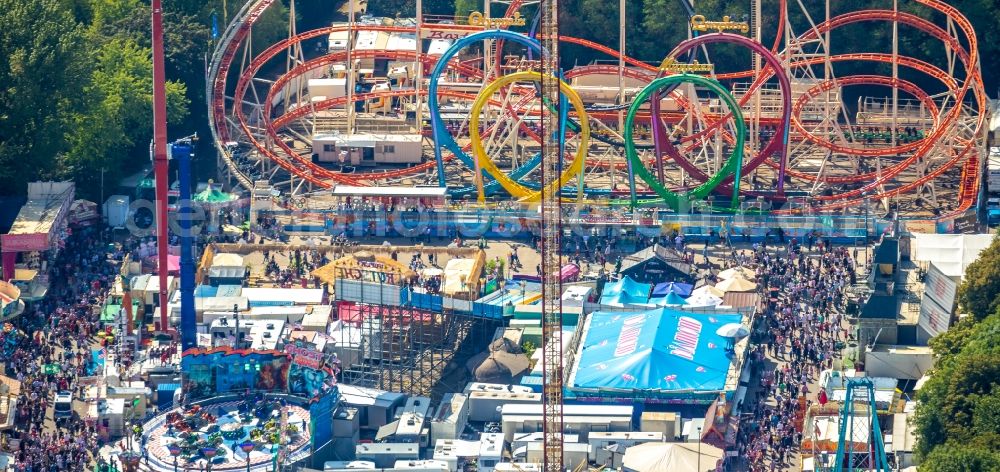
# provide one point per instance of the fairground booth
(661, 355)
(248, 410)
(39, 229)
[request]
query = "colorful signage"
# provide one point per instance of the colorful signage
(311, 372)
(628, 339)
(671, 65)
(432, 32)
(698, 23)
(305, 357)
(209, 372)
(933, 319)
(307, 381)
(25, 242)
(686, 338)
(369, 275)
(938, 301)
(378, 269)
(478, 19)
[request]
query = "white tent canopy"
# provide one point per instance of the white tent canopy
(703, 299)
(671, 457)
(456, 275)
(742, 272)
(708, 290)
(226, 259)
(951, 253)
(736, 284)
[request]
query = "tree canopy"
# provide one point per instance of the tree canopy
(40, 81)
(960, 458)
(957, 419)
(75, 92)
(76, 83)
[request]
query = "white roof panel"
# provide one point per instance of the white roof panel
(402, 42)
(438, 46)
(305, 296)
(348, 190)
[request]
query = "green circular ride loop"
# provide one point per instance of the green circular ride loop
(732, 166)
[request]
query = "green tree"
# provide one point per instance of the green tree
(960, 458)
(185, 40)
(664, 24)
(408, 8)
(116, 121)
(949, 343)
(105, 13)
(40, 80)
(986, 416)
(271, 27)
(955, 403)
(464, 7)
(979, 294)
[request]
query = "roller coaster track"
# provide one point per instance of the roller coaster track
(963, 152)
(970, 61)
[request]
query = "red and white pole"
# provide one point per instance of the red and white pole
(160, 166)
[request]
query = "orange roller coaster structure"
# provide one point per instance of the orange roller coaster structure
(834, 161)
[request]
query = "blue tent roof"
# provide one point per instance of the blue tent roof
(673, 299)
(663, 289)
(625, 291)
(661, 349)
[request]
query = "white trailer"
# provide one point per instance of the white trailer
(116, 210)
(367, 149)
(327, 89)
(486, 406)
(993, 170)
(451, 416)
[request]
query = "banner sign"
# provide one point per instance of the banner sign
(447, 32)
(933, 319)
(967, 223)
(25, 242)
(940, 287)
(305, 357)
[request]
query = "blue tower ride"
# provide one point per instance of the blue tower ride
(860, 404)
(183, 152)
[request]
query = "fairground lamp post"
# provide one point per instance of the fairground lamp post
(236, 314)
(209, 453)
(175, 451)
(699, 449)
(247, 447)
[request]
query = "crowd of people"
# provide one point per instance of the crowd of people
(59, 330)
(802, 326)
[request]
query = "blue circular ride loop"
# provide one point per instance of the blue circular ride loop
(443, 138)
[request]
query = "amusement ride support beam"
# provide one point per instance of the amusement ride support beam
(160, 156)
(621, 81)
(419, 73)
(553, 139)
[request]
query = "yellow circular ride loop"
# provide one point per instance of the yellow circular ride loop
(518, 191)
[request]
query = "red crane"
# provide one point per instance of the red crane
(160, 156)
